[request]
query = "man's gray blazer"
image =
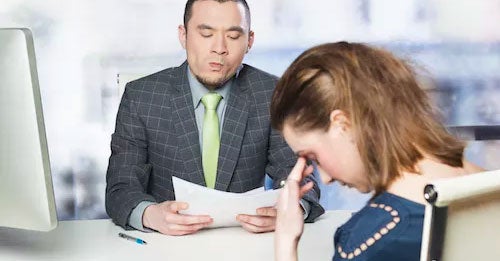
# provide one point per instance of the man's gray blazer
(156, 137)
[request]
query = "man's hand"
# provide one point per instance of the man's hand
(264, 221)
(165, 218)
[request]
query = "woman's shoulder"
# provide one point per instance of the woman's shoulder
(387, 227)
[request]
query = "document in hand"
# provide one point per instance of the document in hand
(220, 205)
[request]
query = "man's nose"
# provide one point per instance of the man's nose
(220, 46)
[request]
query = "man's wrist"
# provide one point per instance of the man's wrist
(136, 217)
(146, 216)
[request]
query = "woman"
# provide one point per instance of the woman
(359, 113)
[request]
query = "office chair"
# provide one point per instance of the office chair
(462, 218)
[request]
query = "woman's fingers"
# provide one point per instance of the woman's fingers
(304, 189)
(298, 170)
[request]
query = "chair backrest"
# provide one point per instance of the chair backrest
(462, 218)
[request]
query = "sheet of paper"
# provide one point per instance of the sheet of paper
(220, 205)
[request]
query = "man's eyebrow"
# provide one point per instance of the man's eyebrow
(204, 27)
(238, 29)
(235, 28)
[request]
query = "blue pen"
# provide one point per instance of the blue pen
(131, 238)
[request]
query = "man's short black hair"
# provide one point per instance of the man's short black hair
(188, 10)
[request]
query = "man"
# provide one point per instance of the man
(168, 125)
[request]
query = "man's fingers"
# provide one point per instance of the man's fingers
(267, 211)
(256, 229)
(176, 229)
(176, 206)
(177, 232)
(257, 224)
(259, 221)
(176, 218)
(164, 217)
(188, 219)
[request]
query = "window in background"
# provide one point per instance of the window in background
(83, 45)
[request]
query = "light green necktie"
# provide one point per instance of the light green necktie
(211, 140)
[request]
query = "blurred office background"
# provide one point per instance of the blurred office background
(86, 49)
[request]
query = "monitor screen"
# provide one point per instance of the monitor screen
(26, 193)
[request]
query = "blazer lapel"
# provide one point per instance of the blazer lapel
(233, 130)
(188, 137)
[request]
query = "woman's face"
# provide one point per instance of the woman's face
(334, 151)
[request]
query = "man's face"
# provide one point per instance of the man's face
(216, 40)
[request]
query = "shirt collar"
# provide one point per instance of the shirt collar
(198, 90)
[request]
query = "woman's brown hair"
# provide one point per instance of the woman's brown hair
(393, 121)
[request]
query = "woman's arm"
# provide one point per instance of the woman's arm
(290, 219)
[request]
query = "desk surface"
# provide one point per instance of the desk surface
(98, 240)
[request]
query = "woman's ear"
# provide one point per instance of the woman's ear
(339, 121)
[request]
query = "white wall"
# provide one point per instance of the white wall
(82, 45)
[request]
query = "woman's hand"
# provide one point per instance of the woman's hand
(290, 220)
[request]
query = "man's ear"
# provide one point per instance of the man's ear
(339, 120)
(251, 37)
(182, 35)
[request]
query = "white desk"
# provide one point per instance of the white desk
(98, 240)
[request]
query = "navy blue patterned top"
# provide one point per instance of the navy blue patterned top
(389, 227)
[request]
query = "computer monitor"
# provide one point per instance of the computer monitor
(26, 193)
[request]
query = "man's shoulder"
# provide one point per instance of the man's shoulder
(163, 82)
(164, 76)
(257, 76)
